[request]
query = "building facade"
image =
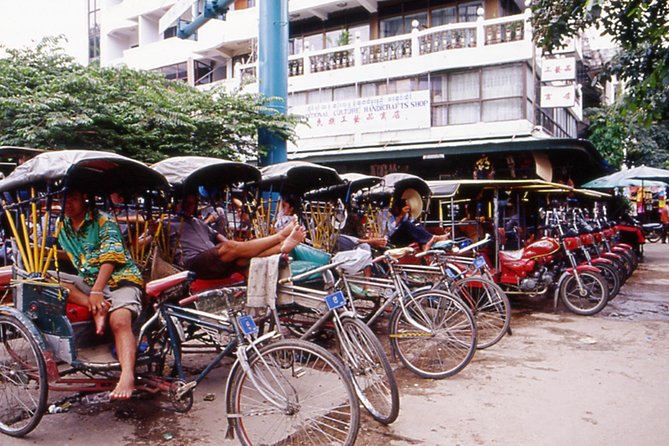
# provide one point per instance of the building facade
(424, 86)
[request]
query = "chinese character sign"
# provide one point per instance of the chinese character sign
(563, 96)
(399, 111)
(561, 69)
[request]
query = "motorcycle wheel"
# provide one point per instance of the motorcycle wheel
(591, 299)
(653, 236)
(612, 277)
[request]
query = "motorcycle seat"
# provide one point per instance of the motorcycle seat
(515, 254)
(649, 226)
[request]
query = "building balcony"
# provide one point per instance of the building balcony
(447, 47)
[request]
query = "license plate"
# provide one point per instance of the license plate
(247, 324)
(479, 262)
(335, 300)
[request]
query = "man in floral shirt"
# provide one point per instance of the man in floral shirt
(108, 281)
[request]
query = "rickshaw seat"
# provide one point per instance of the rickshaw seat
(208, 284)
(155, 287)
(306, 258)
(5, 276)
(77, 313)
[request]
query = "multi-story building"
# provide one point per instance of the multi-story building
(424, 86)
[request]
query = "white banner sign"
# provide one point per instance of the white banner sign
(552, 97)
(561, 69)
(399, 111)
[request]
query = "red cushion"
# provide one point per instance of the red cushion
(77, 313)
(208, 284)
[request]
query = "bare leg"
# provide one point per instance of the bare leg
(232, 250)
(120, 321)
(78, 297)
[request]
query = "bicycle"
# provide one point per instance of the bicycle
(432, 331)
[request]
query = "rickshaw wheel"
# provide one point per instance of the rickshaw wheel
(185, 402)
(23, 379)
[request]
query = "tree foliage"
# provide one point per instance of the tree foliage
(613, 134)
(48, 101)
(640, 29)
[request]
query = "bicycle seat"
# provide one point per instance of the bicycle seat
(398, 253)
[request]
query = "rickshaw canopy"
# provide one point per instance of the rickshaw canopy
(352, 183)
(298, 177)
(190, 172)
(88, 170)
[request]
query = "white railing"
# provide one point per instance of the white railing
(482, 33)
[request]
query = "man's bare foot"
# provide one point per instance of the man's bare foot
(124, 388)
(286, 230)
(297, 236)
(100, 319)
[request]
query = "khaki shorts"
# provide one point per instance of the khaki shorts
(129, 297)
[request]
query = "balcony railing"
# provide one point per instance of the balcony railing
(482, 33)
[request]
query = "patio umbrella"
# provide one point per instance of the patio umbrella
(642, 176)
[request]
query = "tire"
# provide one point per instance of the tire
(610, 274)
(626, 260)
(325, 409)
(653, 236)
(372, 374)
(490, 305)
(450, 345)
(619, 264)
(594, 299)
(23, 379)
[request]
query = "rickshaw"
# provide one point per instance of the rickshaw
(43, 349)
(295, 179)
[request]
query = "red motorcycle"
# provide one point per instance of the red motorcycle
(549, 264)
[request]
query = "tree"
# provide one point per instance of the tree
(48, 101)
(613, 134)
(640, 29)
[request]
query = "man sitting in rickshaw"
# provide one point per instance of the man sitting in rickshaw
(210, 255)
(108, 283)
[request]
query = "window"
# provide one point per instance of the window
(93, 31)
(203, 73)
(467, 11)
(176, 72)
(487, 94)
(344, 93)
(443, 16)
(391, 27)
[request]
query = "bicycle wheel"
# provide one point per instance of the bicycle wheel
(490, 305)
(373, 377)
(589, 300)
(314, 398)
(23, 380)
(447, 347)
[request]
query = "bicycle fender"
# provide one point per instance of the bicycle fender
(30, 326)
(228, 383)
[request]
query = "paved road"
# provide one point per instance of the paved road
(559, 379)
